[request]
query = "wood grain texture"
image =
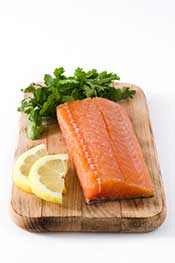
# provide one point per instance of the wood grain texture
(139, 215)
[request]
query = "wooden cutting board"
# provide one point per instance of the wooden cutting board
(139, 215)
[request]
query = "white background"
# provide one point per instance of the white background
(135, 39)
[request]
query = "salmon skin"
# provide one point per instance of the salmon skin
(104, 149)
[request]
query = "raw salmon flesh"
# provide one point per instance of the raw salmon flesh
(104, 149)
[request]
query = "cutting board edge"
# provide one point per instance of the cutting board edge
(79, 224)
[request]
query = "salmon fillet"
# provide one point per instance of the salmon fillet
(104, 149)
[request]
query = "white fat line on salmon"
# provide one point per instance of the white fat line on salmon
(99, 180)
(90, 162)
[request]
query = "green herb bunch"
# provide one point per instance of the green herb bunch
(58, 89)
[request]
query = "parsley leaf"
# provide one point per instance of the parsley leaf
(57, 89)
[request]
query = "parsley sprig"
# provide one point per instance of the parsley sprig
(58, 89)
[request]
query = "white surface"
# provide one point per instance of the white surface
(132, 38)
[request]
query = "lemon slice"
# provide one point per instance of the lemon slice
(23, 164)
(47, 177)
